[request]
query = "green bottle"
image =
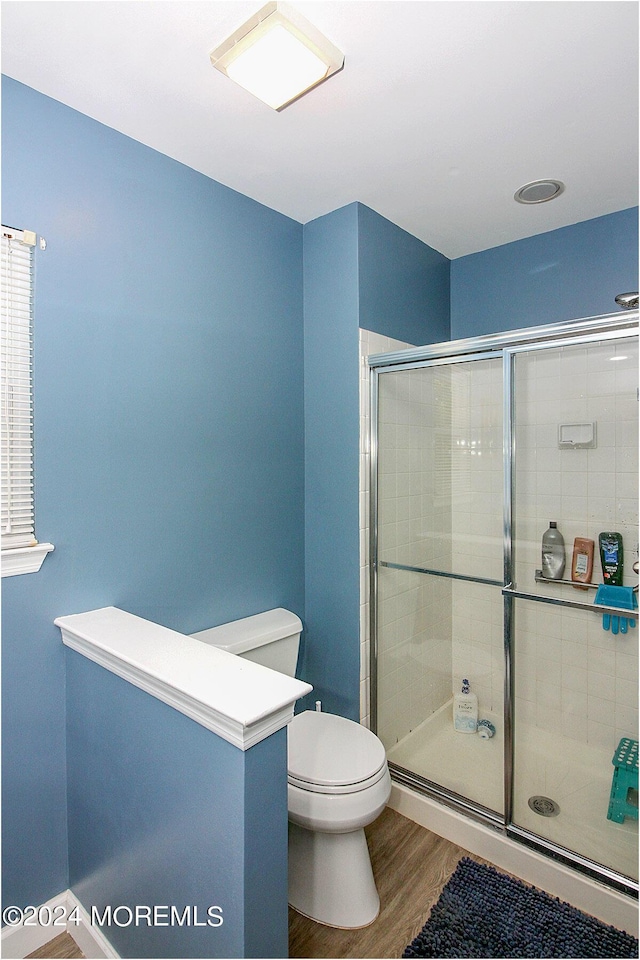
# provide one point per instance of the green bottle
(611, 558)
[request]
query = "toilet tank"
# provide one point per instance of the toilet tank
(271, 638)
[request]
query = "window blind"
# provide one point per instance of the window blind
(16, 386)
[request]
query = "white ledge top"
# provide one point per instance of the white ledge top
(239, 700)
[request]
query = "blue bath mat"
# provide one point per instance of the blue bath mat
(483, 913)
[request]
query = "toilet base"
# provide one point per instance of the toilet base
(330, 877)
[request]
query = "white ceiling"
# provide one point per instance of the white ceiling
(442, 111)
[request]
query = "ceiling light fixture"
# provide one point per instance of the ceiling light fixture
(539, 191)
(277, 56)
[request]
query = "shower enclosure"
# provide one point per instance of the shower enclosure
(476, 445)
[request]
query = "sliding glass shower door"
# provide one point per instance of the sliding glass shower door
(440, 570)
(475, 448)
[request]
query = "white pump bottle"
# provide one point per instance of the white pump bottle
(465, 710)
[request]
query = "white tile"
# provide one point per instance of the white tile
(574, 628)
(601, 735)
(574, 727)
(626, 720)
(548, 696)
(601, 654)
(627, 662)
(525, 688)
(599, 710)
(626, 692)
(575, 679)
(602, 685)
(573, 654)
(548, 719)
(574, 704)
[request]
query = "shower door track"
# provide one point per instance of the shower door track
(448, 797)
(571, 858)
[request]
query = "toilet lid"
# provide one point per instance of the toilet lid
(330, 751)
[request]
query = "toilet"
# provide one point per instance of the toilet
(338, 783)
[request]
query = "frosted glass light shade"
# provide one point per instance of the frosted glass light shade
(277, 68)
(277, 56)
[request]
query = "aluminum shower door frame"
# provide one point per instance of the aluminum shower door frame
(506, 345)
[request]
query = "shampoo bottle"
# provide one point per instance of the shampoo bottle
(611, 558)
(465, 710)
(582, 565)
(553, 559)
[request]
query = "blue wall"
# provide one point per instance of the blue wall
(403, 284)
(168, 425)
(164, 813)
(564, 274)
(330, 656)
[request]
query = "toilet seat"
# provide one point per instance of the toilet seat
(332, 755)
(340, 788)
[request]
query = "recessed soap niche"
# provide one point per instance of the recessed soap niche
(577, 436)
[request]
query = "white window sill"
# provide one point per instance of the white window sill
(24, 559)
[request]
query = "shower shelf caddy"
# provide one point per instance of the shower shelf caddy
(511, 591)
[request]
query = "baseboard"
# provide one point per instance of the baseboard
(22, 939)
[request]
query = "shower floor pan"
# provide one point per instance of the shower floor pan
(462, 762)
(575, 776)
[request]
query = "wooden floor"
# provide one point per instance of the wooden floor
(410, 865)
(62, 947)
